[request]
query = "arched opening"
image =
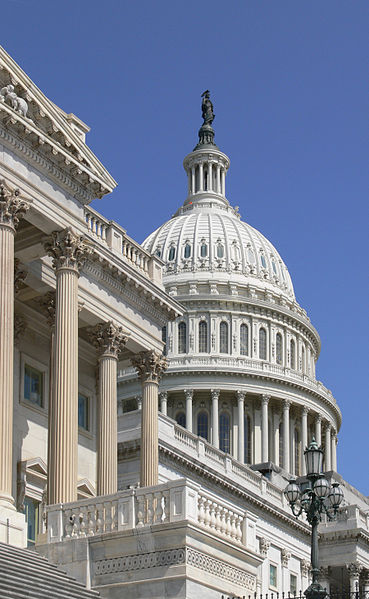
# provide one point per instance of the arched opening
(203, 250)
(297, 452)
(281, 454)
(203, 336)
(262, 344)
(181, 419)
(224, 432)
(172, 254)
(223, 337)
(278, 348)
(182, 338)
(293, 354)
(187, 250)
(244, 340)
(203, 425)
(303, 360)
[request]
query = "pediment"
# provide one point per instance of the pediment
(60, 136)
(85, 489)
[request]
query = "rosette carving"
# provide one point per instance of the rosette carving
(150, 365)
(67, 249)
(108, 338)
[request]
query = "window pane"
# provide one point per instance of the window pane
(293, 584)
(182, 344)
(223, 335)
(202, 425)
(187, 251)
(172, 254)
(278, 348)
(224, 432)
(33, 385)
(274, 267)
(293, 354)
(263, 262)
(244, 340)
(31, 510)
(273, 576)
(262, 345)
(220, 251)
(83, 411)
(281, 458)
(297, 452)
(203, 337)
(129, 405)
(181, 419)
(203, 250)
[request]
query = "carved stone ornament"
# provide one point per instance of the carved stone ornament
(19, 276)
(355, 569)
(264, 546)
(149, 365)
(48, 304)
(188, 393)
(108, 338)
(20, 325)
(8, 95)
(67, 249)
(12, 207)
(305, 567)
(285, 555)
(215, 394)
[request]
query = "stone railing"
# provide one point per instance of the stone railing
(348, 517)
(175, 501)
(111, 234)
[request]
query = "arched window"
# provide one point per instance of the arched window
(182, 341)
(172, 254)
(247, 440)
(297, 448)
(244, 340)
(278, 348)
(251, 257)
(203, 336)
(224, 432)
(293, 354)
(187, 250)
(263, 261)
(203, 250)
(164, 339)
(223, 338)
(181, 419)
(220, 251)
(274, 267)
(158, 252)
(203, 425)
(262, 344)
(303, 364)
(281, 454)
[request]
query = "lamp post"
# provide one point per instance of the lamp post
(314, 496)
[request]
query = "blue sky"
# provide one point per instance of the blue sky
(288, 82)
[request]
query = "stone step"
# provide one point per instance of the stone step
(12, 591)
(29, 564)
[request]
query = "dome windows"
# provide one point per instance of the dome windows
(172, 254)
(158, 252)
(224, 432)
(263, 261)
(223, 338)
(278, 348)
(220, 249)
(182, 338)
(203, 337)
(262, 344)
(187, 251)
(293, 354)
(203, 425)
(203, 249)
(181, 419)
(250, 256)
(244, 340)
(274, 267)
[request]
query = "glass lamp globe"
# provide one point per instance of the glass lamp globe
(321, 487)
(313, 458)
(335, 497)
(306, 499)
(292, 492)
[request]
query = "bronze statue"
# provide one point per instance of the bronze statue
(207, 108)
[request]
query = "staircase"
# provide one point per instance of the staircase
(25, 574)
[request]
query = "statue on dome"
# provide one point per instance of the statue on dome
(207, 108)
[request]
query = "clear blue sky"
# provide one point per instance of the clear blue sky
(288, 81)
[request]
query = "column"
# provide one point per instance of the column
(215, 416)
(189, 396)
(193, 179)
(109, 340)
(334, 451)
(318, 430)
(201, 177)
(366, 583)
(163, 396)
(241, 424)
(189, 182)
(327, 455)
(149, 365)
(304, 439)
(12, 209)
(210, 176)
(324, 577)
(218, 179)
(354, 574)
(264, 428)
(223, 181)
(286, 434)
(68, 251)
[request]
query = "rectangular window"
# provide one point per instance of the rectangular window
(83, 412)
(31, 510)
(273, 576)
(33, 385)
(293, 584)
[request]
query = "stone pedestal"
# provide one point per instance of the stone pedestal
(149, 366)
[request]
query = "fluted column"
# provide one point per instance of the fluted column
(318, 430)
(210, 176)
(215, 416)
(264, 428)
(334, 451)
(193, 185)
(69, 251)
(149, 366)
(218, 179)
(201, 177)
(12, 209)
(241, 425)
(354, 569)
(286, 434)
(327, 455)
(109, 340)
(304, 434)
(163, 396)
(189, 396)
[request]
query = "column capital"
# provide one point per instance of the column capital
(328, 426)
(240, 395)
(163, 395)
(265, 399)
(286, 555)
(150, 365)
(305, 410)
(318, 417)
(305, 566)
(67, 249)
(215, 394)
(355, 569)
(188, 393)
(287, 404)
(12, 207)
(108, 338)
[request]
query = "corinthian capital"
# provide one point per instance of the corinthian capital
(12, 207)
(67, 249)
(108, 338)
(149, 365)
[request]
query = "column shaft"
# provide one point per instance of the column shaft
(328, 465)
(218, 179)
(286, 435)
(164, 402)
(189, 395)
(318, 430)
(107, 467)
(304, 439)
(215, 417)
(149, 434)
(193, 185)
(241, 425)
(223, 181)
(210, 177)
(334, 452)
(264, 428)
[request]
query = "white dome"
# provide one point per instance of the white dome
(208, 241)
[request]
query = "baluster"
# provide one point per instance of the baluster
(140, 510)
(233, 526)
(99, 518)
(150, 508)
(87, 220)
(103, 232)
(91, 520)
(212, 514)
(228, 523)
(68, 523)
(207, 518)
(158, 507)
(83, 521)
(108, 516)
(201, 512)
(218, 522)
(239, 521)
(223, 524)
(166, 514)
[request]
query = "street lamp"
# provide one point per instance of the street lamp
(314, 497)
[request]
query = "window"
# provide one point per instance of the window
(273, 576)
(31, 510)
(297, 448)
(83, 412)
(187, 250)
(262, 344)
(182, 342)
(202, 425)
(33, 385)
(274, 267)
(293, 354)
(220, 251)
(281, 454)
(244, 340)
(223, 336)
(164, 339)
(263, 261)
(172, 254)
(203, 337)
(293, 584)
(158, 252)
(251, 257)
(181, 419)
(203, 250)
(247, 440)
(224, 432)
(303, 364)
(278, 348)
